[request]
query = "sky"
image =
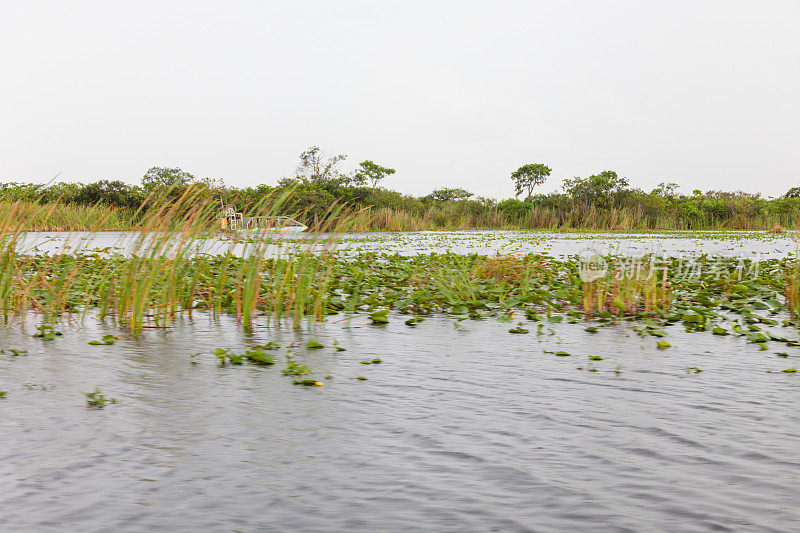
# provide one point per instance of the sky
(450, 94)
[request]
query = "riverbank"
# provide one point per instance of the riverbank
(57, 216)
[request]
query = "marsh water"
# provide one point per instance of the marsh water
(461, 427)
(750, 244)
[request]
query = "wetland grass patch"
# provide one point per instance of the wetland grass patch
(265, 280)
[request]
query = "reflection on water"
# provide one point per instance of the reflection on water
(461, 428)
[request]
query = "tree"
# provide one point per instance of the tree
(318, 167)
(600, 190)
(115, 193)
(794, 192)
(372, 173)
(449, 195)
(529, 176)
(665, 189)
(165, 177)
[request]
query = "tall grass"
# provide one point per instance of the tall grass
(262, 278)
(639, 287)
(56, 216)
(580, 217)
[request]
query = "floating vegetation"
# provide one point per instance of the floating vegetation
(47, 332)
(260, 357)
(379, 317)
(293, 368)
(307, 382)
(177, 267)
(106, 340)
(97, 399)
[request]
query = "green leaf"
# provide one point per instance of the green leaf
(260, 357)
(314, 345)
(379, 317)
(740, 289)
(757, 337)
(663, 345)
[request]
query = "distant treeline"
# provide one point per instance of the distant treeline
(604, 201)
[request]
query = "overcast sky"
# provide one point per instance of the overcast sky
(457, 94)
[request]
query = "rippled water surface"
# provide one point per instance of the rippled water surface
(462, 427)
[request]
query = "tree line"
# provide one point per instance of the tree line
(319, 182)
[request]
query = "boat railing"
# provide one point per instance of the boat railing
(234, 220)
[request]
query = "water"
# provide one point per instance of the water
(749, 244)
(460, 428)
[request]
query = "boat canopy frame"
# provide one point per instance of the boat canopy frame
(232, 219)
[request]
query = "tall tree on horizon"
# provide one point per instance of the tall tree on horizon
(371, 172)
(529, 176)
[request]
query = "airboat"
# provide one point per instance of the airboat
(231, 219)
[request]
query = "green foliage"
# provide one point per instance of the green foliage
(318, 167)
(601, 201)
(370, 173)
(111, 193)
(446, 194)
(605, 189)
(513, 208)
(529, 176)
(106, 340)
(97, 399)
(165, 177)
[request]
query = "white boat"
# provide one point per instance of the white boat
(231, 219)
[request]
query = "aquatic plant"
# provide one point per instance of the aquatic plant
(106, 340)
(97, 399)
(633, 288)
